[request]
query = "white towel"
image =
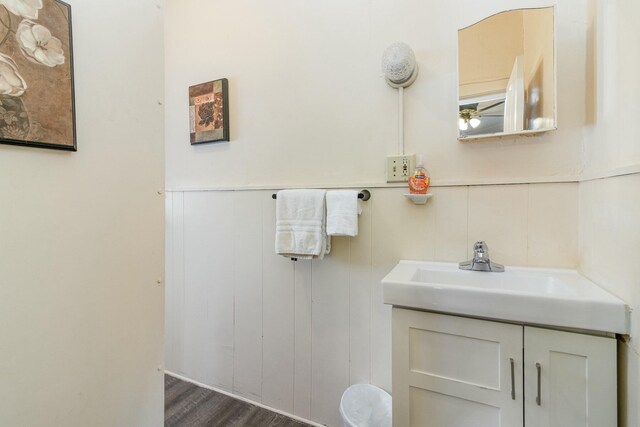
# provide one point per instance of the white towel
(301, 224)
(343, 208)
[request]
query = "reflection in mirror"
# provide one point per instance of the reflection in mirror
(506, 74)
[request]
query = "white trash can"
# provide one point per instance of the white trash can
(365, 405)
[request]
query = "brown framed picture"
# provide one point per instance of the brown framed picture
(209, 112)
(37, 105)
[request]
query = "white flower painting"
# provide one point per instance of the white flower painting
(25, 8)
(36, 74)
(11, 82)
(38, 45)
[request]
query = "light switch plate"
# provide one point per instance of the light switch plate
(399, 168)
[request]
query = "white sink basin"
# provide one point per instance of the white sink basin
(561, 298)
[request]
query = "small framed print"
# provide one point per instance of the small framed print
(209, 112)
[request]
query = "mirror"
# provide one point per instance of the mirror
(506, 75)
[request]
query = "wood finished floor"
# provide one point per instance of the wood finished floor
(187, 405)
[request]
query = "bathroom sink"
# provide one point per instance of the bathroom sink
(552, 297)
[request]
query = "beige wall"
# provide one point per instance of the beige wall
(609, 196)
(310, 107)
(81, 243)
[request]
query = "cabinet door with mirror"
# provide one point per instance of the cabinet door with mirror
(506, 75)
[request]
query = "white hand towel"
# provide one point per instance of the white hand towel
(343, 208)
(300, 224)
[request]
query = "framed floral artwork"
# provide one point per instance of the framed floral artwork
(209, 112)
(37, 106)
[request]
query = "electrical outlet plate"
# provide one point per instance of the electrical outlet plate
(399, 168)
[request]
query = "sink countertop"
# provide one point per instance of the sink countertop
(551, 297)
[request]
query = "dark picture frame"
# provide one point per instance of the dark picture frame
(38, 109)
(209, 112)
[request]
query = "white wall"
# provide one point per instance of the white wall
(309, 105)
(611, 137)
(81, 242)
(609, 196)
(609, 252)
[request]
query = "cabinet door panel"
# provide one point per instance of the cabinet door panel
(454, 357)
(432, 409)
(455, 372)
(577, 379)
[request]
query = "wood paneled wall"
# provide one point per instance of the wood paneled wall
(295, 335)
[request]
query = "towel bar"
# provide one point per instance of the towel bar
(363, 195)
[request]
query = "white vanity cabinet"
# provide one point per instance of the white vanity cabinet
(451, 371)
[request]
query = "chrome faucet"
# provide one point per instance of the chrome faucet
(481, 261)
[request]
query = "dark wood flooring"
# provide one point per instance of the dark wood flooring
(187, 405)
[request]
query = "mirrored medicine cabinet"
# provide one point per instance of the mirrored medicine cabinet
(507, 75)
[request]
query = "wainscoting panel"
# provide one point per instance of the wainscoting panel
(294, 335)
(209, 293)
(278, 319)
(247, 288)
(330, 332)
(174, 279)
(303, 340)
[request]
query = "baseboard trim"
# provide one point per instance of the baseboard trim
(244, 399)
